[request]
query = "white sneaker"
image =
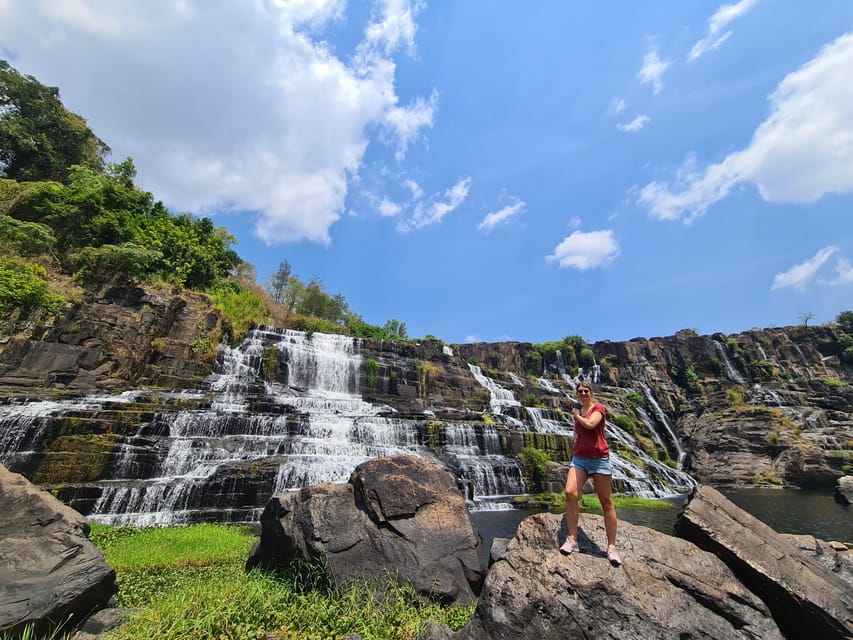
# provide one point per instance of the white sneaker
(570, 546)
(613, 555)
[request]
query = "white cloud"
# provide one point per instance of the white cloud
(228, 106)
(396, 26)
(802, 151)
(844, 271)
(491, 220)
(388, 209)
(636, 124)
(470, 339)
(800, 275)
(652, 71)
(585, 250)
(417, 192)
(437, 207)
(575, 222)
(408, 122)
(721, 18)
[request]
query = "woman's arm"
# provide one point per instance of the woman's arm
(591, 421)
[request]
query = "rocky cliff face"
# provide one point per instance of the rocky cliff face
(116, 338)
(764, 407)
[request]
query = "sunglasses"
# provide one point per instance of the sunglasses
(584, 392)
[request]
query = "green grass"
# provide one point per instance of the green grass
(590, 503)
(189, 583)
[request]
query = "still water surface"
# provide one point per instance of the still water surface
(785, 510)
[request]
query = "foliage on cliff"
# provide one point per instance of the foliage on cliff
(65, 210)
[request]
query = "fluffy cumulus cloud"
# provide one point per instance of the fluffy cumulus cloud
(585, 250)
(718, 22)
(801, 275)
(636, 124)
(495, 218)
(652, 70)
(802, 151)
(231, 105)
(433, 210)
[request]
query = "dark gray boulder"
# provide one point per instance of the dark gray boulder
(806, 599)
(50, 573)
(844, 491)
(665, 588)
(399, 517)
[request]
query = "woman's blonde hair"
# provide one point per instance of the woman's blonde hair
(586, 385)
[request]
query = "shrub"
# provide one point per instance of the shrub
(625, 423)
(586, 358)
(531, 400)
(371, 369)
(114, 263)
(635, 398)
(538, 461)
(22, 286)
(845, 321)
(241, 308)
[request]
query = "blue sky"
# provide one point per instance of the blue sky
(489, 170)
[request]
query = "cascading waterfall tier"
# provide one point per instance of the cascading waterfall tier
(281, 411)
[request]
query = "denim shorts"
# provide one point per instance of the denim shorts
(593, 465)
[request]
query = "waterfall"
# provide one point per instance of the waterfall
(731, 371)
(544, 423)
(546, 384)
(501, 399)
(656, 480)
(663, 419)
(476, 450)
(218, 452)
(561, 366)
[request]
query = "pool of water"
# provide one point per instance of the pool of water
(785, 510)
(800, 511)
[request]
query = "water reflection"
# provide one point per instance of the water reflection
(802, 511)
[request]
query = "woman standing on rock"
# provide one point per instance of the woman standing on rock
(590, 457)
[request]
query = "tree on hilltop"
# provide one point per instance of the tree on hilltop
(39, 138)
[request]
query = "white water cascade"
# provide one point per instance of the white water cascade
(663, 420)
(731, 371)
(501, 399)
(219, 452)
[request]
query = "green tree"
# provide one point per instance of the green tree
(396, 329)
(805, 317)
(845, 321)
(39, 138)
(278, 283)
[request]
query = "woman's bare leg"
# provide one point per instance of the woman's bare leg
(574, 485)
(603, 489)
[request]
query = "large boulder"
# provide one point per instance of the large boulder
(665, 588)
(398, 517)
(50, 573)
(806, 599)
(844, 491)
